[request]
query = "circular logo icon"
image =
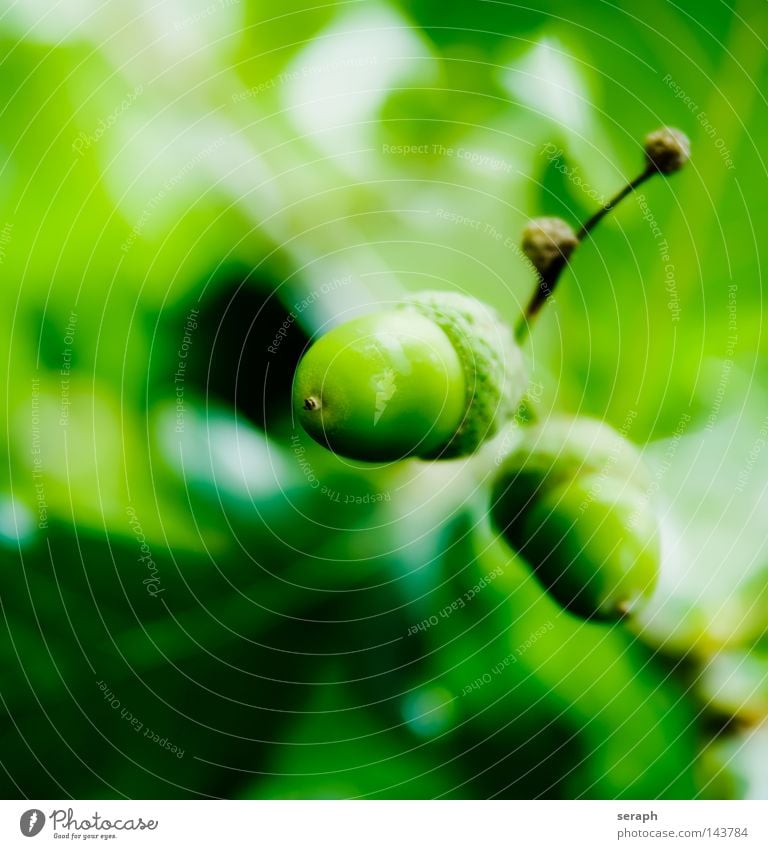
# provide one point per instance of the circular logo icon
(32, 822)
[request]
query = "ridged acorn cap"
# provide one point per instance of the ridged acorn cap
(493, 364)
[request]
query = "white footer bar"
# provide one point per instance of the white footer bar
(384, 825)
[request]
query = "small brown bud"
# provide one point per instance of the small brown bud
(548, 239)
(667, 149)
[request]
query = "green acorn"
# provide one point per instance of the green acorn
(571, 499)
(432, 377)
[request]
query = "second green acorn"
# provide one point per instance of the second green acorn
(433, 376)
(571, 498)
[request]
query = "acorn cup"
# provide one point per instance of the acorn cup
(571, 500)
(432, 377)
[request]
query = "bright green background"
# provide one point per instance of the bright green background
(241, 159)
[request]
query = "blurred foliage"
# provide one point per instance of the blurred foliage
(171, 545)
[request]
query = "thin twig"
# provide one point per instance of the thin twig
(549, 278)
